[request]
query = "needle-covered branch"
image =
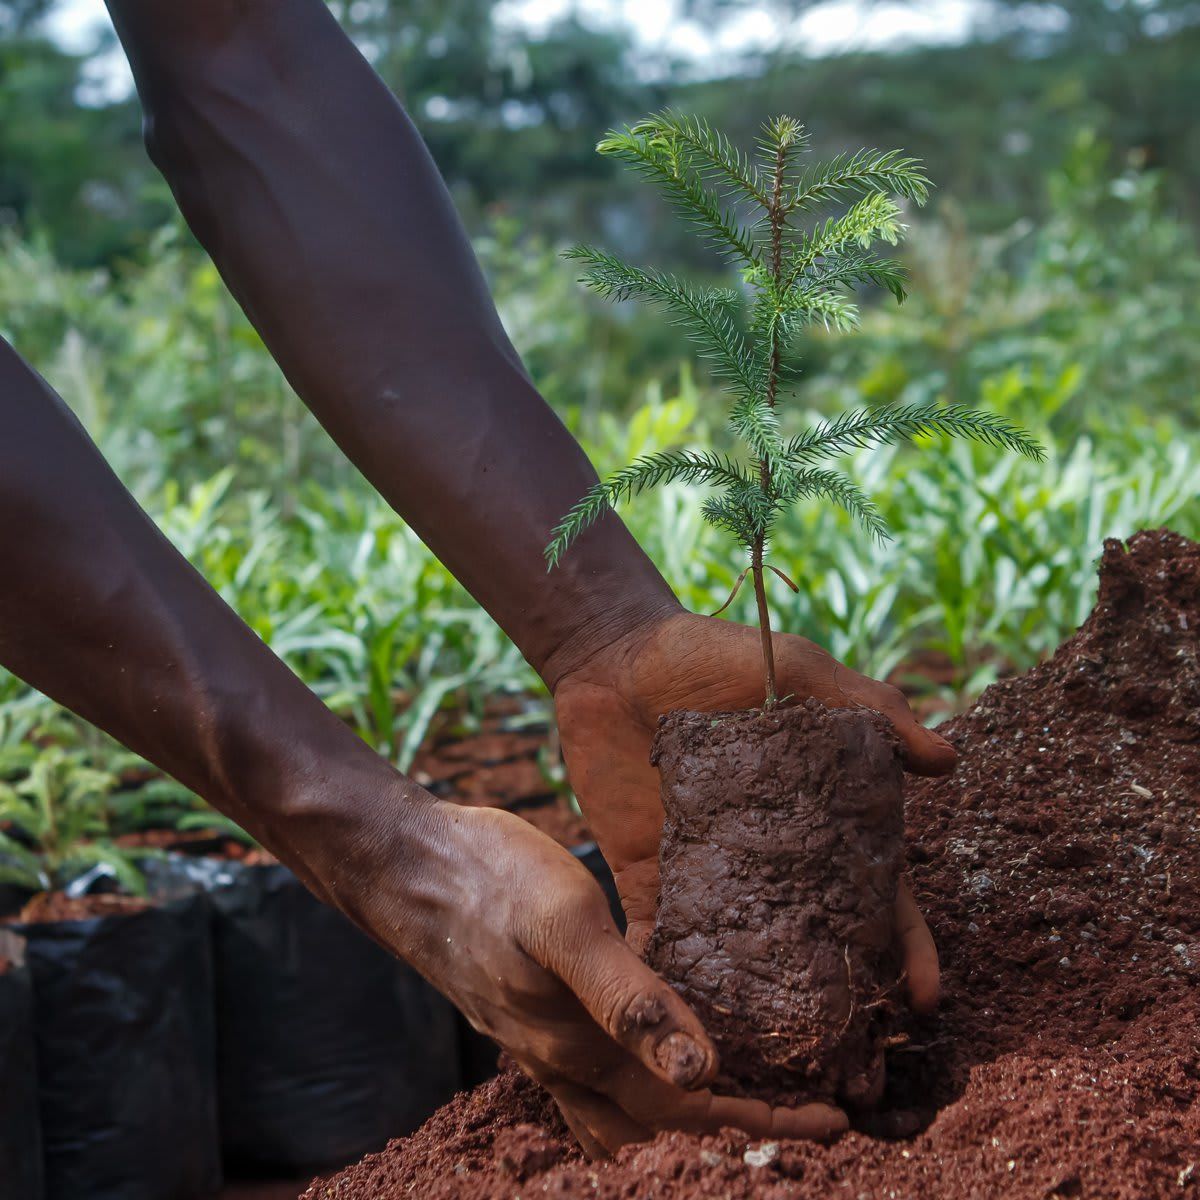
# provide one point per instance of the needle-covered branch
(655, 150)
(705, 315)
(889, 424)
(792, 277)
(667, 466)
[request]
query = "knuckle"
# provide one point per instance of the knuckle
(633, 1013)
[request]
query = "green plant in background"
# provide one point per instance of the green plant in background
(56, 822)
(994, 562)
(797, 272)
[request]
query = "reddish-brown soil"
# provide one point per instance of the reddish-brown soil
(54, 906)
(781, 854)
(200, 842)
(167, 839)
(1060, 871)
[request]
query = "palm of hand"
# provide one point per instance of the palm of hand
(608, 711)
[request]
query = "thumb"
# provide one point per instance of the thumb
(925, 751)
(635, 1006)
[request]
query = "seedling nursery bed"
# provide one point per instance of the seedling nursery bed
(1059, 868)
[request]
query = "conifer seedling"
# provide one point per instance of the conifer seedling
(763, 212)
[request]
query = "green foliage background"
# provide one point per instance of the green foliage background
(1054, 279)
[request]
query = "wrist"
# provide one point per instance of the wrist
(296, 776)
(609, 635)
(358, 832)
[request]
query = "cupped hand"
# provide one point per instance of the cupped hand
(608, 709)
(516, 932)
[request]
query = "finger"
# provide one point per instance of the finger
(592, 1146)
(637, 885)
(633, 1005)
(657, 1105)
(758, 1119)
(920, 952)
(596, 1120)
(637, 934)
(925, 751)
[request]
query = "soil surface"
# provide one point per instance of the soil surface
(54, 906)
(1059, 868)
(781, 853)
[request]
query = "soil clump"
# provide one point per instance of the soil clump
(781, 854)
(1059, 869)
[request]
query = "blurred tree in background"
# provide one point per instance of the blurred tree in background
(73, 170)
(511, 112)
(501, 112)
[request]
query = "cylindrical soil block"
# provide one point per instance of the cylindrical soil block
(20, 1136)
(125, 1054)
(780, 859)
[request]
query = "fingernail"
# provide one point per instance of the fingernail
(682, 1058)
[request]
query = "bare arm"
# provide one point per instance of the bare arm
(99, 611)
(314, 194)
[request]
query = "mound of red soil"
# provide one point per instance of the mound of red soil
(1060, 871)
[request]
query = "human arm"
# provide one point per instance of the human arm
(103, 614)
(312, 191)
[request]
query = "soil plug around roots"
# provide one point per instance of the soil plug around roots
(781, 855)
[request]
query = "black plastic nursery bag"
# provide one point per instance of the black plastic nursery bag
(20, 1138)
(125, 1054)
(327, 1045)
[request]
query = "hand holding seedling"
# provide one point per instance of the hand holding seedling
(608, 710)
(306, 182)
(107, 617)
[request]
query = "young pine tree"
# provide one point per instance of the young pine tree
(796, 270)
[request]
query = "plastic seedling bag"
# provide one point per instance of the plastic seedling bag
(125, 1046)
(328, 1046)
(20, 1135)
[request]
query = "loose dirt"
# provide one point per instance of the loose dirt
(54, 906)
(1059, 868)
(781, 853)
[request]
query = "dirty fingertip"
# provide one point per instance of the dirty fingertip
(924, 990)
(928, 752)
(684, 1061)
(820, 1122)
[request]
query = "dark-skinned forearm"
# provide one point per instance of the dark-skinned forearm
(102, 613)
(321, 207)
